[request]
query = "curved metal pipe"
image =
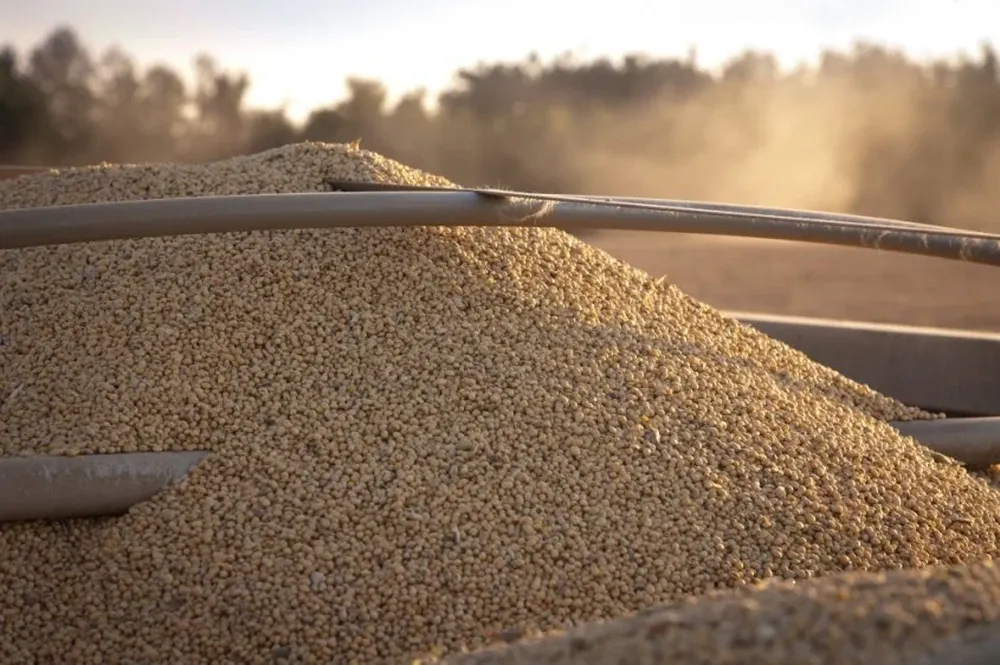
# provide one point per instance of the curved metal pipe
(225, 214)
(169, 217)
(810, 215)
(56, 487)
(7, 171)
(11, 170)
(677, 205)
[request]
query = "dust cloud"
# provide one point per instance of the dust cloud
(894, 150)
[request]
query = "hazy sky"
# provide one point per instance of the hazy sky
(299, 51)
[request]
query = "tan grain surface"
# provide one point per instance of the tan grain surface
(900, 618)
(419, 436)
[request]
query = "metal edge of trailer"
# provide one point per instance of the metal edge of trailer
(951, 371)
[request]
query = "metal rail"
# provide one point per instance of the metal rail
(170, 217)
(8, 171)
(57, 487)
(787, 214)
(946, 371)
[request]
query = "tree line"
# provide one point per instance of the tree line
(868, 130)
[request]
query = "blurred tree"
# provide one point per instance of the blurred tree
(63, 71)
(360, 116)
(326, 125)
(975, 109)
(891, 135)
(24, 117)
(118, 116)
(751, 68)
(411, 111)
(220, 129)
(140, 116)
(163, 102)
(363, 113)
(411, 134)
(268, 129)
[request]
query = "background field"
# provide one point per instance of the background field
(810, 280)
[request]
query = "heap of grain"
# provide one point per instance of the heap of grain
(898, 618)
(419, 436)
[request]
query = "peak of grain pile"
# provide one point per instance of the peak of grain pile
(897, 618)
(419, 436)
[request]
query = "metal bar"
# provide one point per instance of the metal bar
(225, 214)
(935, 369)
(55, 487)
(701, 206)
(973, 441)
(800, 214)
(677, 205)
(168, 217)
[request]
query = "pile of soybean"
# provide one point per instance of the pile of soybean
(932, 616)
(419, 437)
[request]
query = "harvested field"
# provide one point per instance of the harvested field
(420, 437)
